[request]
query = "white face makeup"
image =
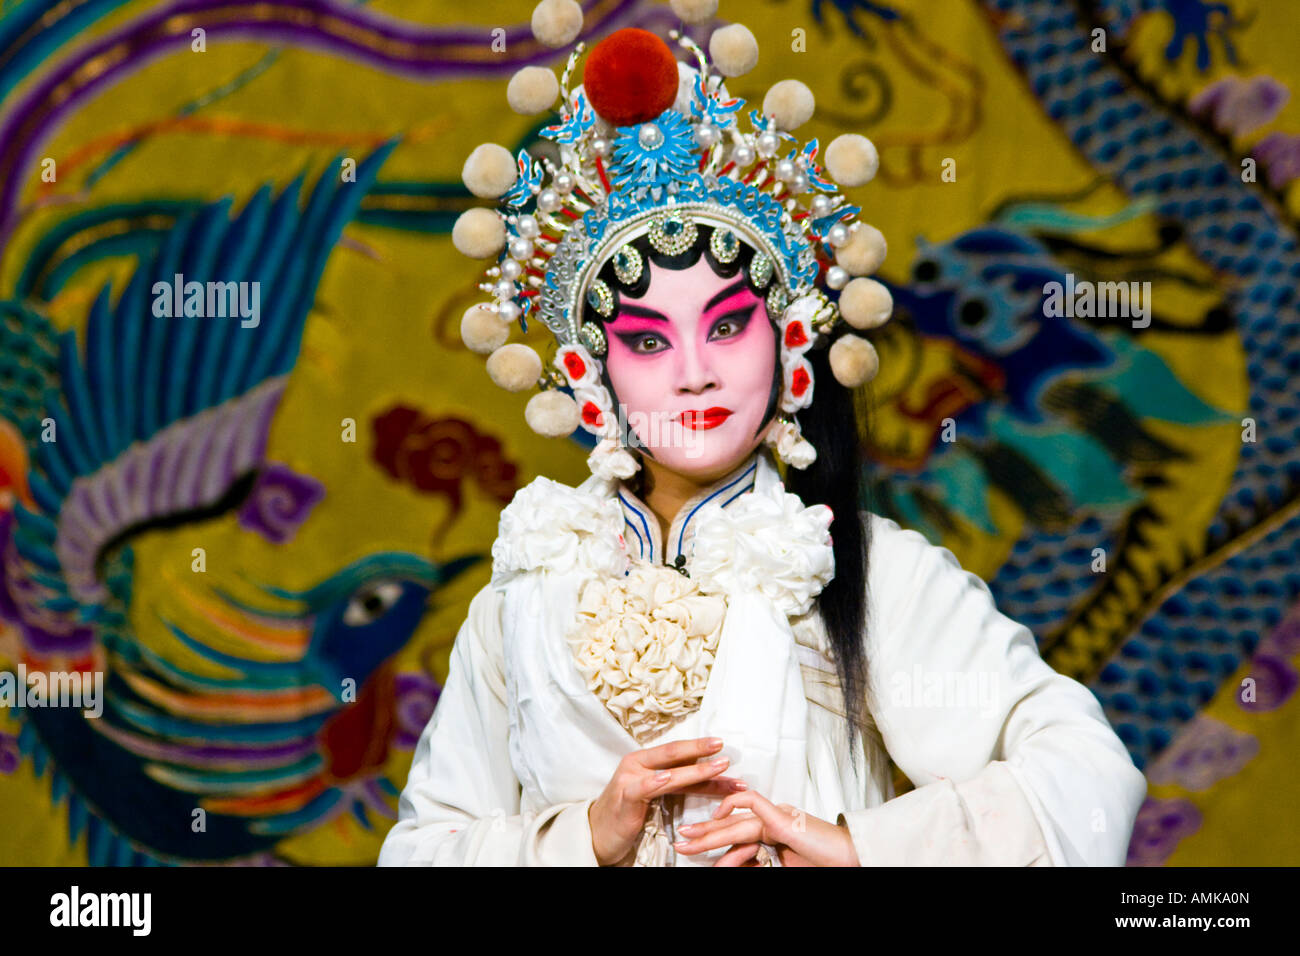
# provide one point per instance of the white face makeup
(692, 362)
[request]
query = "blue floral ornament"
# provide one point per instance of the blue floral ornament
(812, 170)
(527, 182)
(571, 129)
(821, 227)
(653, 157)
(710, 108)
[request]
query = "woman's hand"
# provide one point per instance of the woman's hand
(618, 814)
(801, 839)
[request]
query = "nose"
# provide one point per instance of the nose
(695, 374)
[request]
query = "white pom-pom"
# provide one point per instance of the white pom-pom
(482, 330)
(610, 461)
(864, 252)
(557, 23)
(790, 103)
(552, 414)
(694, 11)
(514, 367)
(733, 50)
(532, 90)
(489, 171)
(852, 160)
(854, 361)
(478, 233)
(866, 304)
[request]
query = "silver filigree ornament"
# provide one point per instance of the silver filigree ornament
(673, 233)
(724, 245)
(600, 298)
(628, 264)
(592, 337)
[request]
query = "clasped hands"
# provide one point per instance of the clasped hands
(743, 820)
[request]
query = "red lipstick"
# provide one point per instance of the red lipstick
(708, 418)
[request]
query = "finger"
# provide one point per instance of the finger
(717, 787)
(653, 785)
(677, 752)
(748, 829)
(747, 798)
(694, 830)
(737, 855)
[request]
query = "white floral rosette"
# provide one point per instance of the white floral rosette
(645, 645)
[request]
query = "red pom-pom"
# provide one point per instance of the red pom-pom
(630, 77)
(799, 382)
(795, 335)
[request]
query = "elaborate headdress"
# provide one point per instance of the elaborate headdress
(652, 147)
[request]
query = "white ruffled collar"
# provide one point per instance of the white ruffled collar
(642, 530)
(736, 538)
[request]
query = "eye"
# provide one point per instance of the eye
(926, 270)
(645, 343)
(371, 602)
(972, 313)
(731, 324)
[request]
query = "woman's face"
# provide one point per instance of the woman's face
(692, 364)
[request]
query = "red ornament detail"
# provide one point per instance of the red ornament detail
(799, 382)
(591, 414)
(795, 335)
(630, 77)
(574, 365)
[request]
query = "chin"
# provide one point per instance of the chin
(708, 460)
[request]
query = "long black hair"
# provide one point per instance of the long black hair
(834, 479)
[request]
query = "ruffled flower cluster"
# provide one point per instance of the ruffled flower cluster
(553, 526)
(645, 644)
(768, 544)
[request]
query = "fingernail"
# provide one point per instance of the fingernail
(663, 775)
(715, 741)
(719, 761)
(741, 785)
(680, 844)
(689, 826)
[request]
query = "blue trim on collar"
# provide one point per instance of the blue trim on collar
(642, 542)
(747, 473)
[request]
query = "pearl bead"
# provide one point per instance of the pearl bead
(707, 135)
(785, 170)
(509, 311)
(527, 227)
(837, 277)
(650, 136)
(600, 146)
(563, 183)
(511, 269)
(799, 183)
(767, 144)
(743, 155)
(548, 200)
(505, 289)
(821, 206)
(521, 249)
(838, 235)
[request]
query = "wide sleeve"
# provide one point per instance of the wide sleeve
(1014, 763)
(460, 806)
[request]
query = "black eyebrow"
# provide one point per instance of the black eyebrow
(625, 308)
(725, 294)
(638, 311)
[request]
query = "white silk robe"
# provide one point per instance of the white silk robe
(1013, 763)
